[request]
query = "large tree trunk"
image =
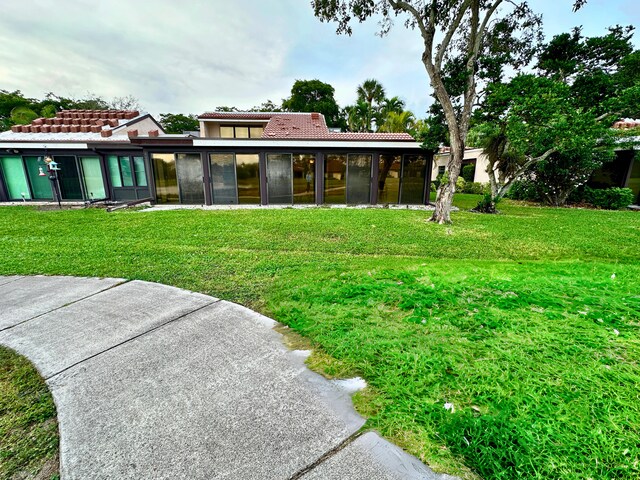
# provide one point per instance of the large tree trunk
(444, 197)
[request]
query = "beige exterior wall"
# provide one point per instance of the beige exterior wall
(480, 176)
(143, 126)
(209, 129)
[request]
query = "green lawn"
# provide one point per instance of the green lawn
(527, 322)
(28, 429)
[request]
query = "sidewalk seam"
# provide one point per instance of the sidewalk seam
(327, 455)
(157, 327)
(65, 305)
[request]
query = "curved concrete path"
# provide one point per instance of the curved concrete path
(153, 382)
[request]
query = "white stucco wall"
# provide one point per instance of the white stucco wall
(480, 176)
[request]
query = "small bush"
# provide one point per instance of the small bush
(469, 172)
(525, 189)
(476, 188)
(460, 184)
(487, 204)
(609, 198)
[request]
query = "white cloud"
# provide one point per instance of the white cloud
(191, 56)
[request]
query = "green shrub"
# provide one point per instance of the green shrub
(476, 188)
(525, 189)
(487, 204)
(609, 198)
(460, 184)
(469, 172)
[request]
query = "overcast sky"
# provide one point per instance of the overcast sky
(190, 56)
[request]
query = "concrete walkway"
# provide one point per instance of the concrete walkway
(154, 382)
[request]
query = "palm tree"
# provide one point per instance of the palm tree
(359, 116)
(371, 91)
(401, 122)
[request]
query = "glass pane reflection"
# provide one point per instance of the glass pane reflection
(164, 170)
(189, 168)
(304, 178)
(413, 178)
(279, 186)
(335, 176)
(248, 174)
(223, 179)
(359, 179)
(389, 179)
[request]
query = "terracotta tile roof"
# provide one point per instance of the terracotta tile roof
(302, 126)
(404, 137)
(626, 124)
(236, 115)
(79, 121)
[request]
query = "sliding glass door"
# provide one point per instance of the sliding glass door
(358, 179)
(279, 179)
(413, 180)
(92, 177)
(178, 177)
(224, 188)
(190, 178)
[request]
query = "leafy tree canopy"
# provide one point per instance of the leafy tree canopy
(314, 96)
(178, 122)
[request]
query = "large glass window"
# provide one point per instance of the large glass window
(164, 168)
(240, 131)
(125, 169)
(413, 179)
(304, 178)
(223, 178)
(335, 179)
(140, 171)
(358, 179)
(389, 178)
(279, 179)
(15, 178)
(191, 186)
(248, 174)
(226, 132)
(114, 170)
(92, 176)
(68, 178)
(40, 184)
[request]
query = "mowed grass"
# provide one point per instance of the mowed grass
(28, 428)
(527, 322)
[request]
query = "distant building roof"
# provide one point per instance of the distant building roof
(626, 124)
(77, 125)
(301, 126)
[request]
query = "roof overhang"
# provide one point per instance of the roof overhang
(335, 144)
(44, 145)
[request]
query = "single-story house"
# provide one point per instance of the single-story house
(260, 158)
